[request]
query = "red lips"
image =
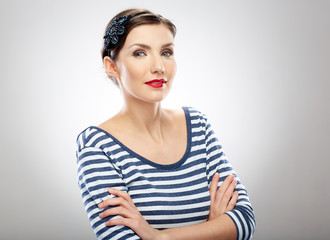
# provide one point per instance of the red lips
(156, 83)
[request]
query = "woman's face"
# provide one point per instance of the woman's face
(146, 64)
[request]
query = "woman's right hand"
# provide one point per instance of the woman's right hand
(130, 216)
(224, 199)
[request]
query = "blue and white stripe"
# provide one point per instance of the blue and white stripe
(166, 195)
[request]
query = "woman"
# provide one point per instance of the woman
(149, 172)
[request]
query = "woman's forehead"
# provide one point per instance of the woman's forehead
(149, 34)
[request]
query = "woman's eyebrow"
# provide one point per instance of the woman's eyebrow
(140, 45)
(168, 45)
(148, 47)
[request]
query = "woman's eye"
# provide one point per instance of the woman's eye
(139, 54)
(167, 53)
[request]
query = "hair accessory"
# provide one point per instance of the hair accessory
(115, 30)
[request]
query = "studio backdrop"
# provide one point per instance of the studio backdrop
(258, 69)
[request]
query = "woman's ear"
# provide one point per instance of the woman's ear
(110, 67)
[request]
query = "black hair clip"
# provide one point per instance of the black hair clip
(115, 30)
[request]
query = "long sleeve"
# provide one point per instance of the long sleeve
(96, 174)
(242, 214)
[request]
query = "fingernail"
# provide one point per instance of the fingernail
(101, 215)
(100, 205)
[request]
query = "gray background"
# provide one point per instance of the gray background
(258, 69)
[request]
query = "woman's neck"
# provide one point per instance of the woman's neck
(144, 117)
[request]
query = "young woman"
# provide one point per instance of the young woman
(150, 172)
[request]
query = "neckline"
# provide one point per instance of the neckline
(149, 162)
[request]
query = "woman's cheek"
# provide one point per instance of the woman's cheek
(172, 69)
(133, 71)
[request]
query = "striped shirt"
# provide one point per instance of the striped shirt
(167, 196)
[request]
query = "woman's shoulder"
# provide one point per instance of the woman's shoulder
(90, 137)
(194, 113)
(188, 110)
(189, 115)
(177, 113)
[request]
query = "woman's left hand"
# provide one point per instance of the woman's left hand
(131, 217)
(224, 199)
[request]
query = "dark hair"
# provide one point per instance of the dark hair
(138, 17)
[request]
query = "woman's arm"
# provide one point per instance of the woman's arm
(242, 214)
(219, 225)
(95, 175)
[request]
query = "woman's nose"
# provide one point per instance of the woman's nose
(157, 65)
